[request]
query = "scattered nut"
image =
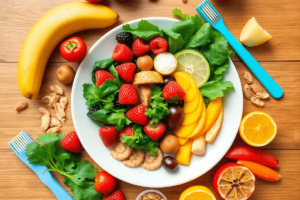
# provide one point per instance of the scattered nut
(21, 106)
(45, 122)
(53, 130)
(56, 89)
(55, 122)
(53, 100)
(247, 91)
(44, 111)
(46, 99)
(63, 102)
(257, 101)
(184, 1)
(256, 88)
(59, 109)
(248, 77)
(262, 95)
(151, 196)
(61, 119)
(52, 94)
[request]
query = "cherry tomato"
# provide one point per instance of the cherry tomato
(105, 183)
(93, 1)
(73, 49)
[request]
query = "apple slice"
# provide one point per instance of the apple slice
(253, 34)
(214, 130)
(199, 144)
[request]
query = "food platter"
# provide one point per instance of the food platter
(88, 131)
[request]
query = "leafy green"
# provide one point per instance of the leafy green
(140, 141)
(95, 95)
(118, 119)
(144, 30)
(175, 41)
(99, 116)
(159, 107)
(219, 70)
(185, 28)
(177, 12)
(197, 22)
(195, 19)
(78, 174)
(214, 89)
(202, 37)
(101, 64)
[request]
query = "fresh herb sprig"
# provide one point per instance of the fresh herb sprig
(140, 141)
(159, 107)
(79, 175)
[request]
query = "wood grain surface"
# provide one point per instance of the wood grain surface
(280, 57)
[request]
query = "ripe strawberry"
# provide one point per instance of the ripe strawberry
(116, 195)
(140, 47)
(128, 94)
(173, 91)
(128, 131)
(108, 135)
(126, 71)
(158, 45)
(102, 75)
(137, 115)
(71, 142)
(122, 54)
(155, 132)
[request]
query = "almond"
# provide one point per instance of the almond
(21, 106)
(247, 91)
(256, 88)
(248, 77)
(262, 95)
(257, 101)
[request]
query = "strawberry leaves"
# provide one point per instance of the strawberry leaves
(78, 174)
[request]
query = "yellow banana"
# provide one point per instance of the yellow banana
(49, 31)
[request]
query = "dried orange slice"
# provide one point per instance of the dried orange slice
(258, 129)
(233, 181)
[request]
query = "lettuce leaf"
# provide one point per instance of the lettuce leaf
(144, 30)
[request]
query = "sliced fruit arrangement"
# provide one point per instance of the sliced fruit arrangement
(49, 31)
(234, 181)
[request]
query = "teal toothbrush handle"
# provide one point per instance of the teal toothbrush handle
(260, 73)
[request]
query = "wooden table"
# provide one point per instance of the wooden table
(280, 57)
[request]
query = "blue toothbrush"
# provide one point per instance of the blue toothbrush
(18, 144)
(211, 15)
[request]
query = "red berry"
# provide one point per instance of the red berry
(71, 142)
(173, 91)
(109, 135)
(137, 115)
(158, 45)
(140, 47)
(122, 54)
(116, 195)
(126, 71)
(102, 75)
(156, 131)
(128, 94)
(128, 131)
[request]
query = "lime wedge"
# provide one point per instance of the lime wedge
(193, 63)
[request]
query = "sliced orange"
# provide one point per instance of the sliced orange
(197, 193)
(258, 129)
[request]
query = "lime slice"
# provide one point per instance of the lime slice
(193, 63)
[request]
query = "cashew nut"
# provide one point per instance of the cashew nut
(59, 109)
(44, 111)
(61, 119)
(46, 99)
(262, 95)
(257, 101)
(45, 118)
(53, 130)
(55, 122)
(63, 102)
(53, 100)
(21, 106)
(56, 89)
(248, 77)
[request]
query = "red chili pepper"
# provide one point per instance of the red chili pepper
(252, 154)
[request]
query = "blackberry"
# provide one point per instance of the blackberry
(124, 38)
(117, 104)
(93, 109)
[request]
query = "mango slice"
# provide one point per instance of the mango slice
(191, 92)
(184, 154)
(190, 118)
(183, 80)
(214, 130)
(201, 123)
(253, 34)
(213, 110)
(184, 131)
(182, 141)
(191, 106)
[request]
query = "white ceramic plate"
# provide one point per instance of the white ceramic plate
(88, 131)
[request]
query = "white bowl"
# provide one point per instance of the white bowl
(154, 191)
(88, 131)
